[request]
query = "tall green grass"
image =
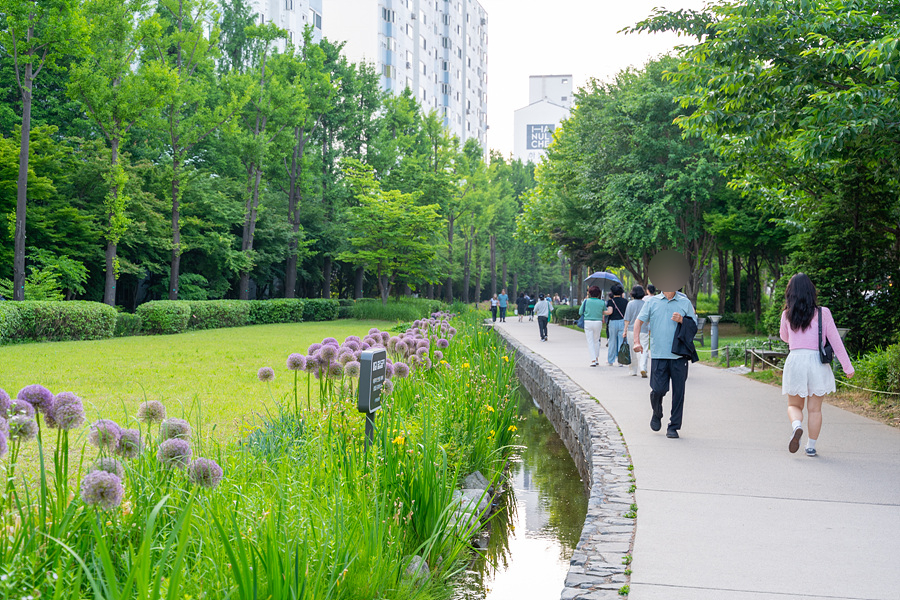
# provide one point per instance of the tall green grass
(305, 510)
(396, 309)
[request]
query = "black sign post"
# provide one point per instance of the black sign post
(371, 380)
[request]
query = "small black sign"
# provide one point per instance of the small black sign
(371, 379)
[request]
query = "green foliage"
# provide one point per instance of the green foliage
(216, 314)
(397, 309)
(165, 316)
(40, 285)
(127, 324)
(320, 309)
(879, 370)
(276, 311)
(560, 313)
(56, 321)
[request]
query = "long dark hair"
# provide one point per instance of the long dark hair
(800, 301)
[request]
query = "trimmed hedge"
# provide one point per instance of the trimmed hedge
(320, 309)
(282, 310)
(127, 324)
(565, 312)
(218, 314)
(55, 321)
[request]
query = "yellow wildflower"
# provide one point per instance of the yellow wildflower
(512, 428)
(506, 359)
(399, 440)
(488, 408)
(465, 365)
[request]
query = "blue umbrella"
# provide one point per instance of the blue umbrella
(603, 280)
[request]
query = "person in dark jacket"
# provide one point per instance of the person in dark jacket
(521, 305)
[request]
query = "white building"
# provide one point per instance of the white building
(436, 48)
(292, 16)
(549, 103)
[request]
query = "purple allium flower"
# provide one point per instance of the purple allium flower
(312, 364)
(365, 346)
(109, 465)
(151, 412)
(423, 343)
(335, 370)
(401, 370)
(438, 355)
(296, 362)
(330, 341)
(385, 336)
(345, 356)
(388, 370)
(20, 407)
(4, 426)
(353, 345)
(352, 369)
(313, 348)
(266, 374)
(4, 403)
(99, 488)
(443, 344)
(387, 387)
(369, 340)
(105, 434)
(328, 353)
(67, 413)
(421, 352)
(174, 429)
(38, 396)
(374, 330)
(452, 331)
(174, 453)
(4, 446)
(428, 363)
(22, 427)
(392, 342)
(130, 445)
(205, 473)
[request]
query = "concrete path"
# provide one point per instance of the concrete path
(725, 512)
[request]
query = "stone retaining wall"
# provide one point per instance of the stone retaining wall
(597, 570)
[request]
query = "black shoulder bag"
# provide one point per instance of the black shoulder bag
(826, 352)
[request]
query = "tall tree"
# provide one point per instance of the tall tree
(37, 35)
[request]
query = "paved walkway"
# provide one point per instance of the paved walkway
(725, 512)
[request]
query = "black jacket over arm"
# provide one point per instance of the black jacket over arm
(683, 344)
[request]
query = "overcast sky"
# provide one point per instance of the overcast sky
(558, 37)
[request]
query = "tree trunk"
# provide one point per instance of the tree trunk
(514, 290)
(326, 277)
(360, 277)
(22, 188)
(109, 288)
(449, 284)
(384, 286)
(723, 279)
(736, 271)
(466, 255)
(504, 282)
(175, 268)
(250, 225)
(493, 242)
(429, 291)
(294, 200)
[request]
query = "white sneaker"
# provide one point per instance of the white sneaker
(794, 444)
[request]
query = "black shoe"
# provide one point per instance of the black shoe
(672, 434)
(655, 423)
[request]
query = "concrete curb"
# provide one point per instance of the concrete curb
(597, 570)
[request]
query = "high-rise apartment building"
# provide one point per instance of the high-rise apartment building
(436, 48)
(549, 103)
(292, 16)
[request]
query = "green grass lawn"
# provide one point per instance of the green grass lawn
(214, 370)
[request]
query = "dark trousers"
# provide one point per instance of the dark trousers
(493, 313)
(503, 313)
(542, 327)
(662, 370)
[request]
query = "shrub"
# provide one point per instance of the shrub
(165, 316)
(56, 321)
(217, 314)
(565, 312)
(345, 308)
(283, 310)
(880, 370)
(127, 324)
(320, 309)
(403, 309)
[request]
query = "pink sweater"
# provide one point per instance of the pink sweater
(808, 339)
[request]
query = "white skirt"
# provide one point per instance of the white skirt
(805, 375)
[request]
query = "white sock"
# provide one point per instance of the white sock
(811, 443)
(796, 424)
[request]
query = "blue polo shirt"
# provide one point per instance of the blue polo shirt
(504, 300)
(658, 312)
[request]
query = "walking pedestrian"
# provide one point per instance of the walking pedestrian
(615, 314)
(521, 305)
(503, 298)
(638, 359)
(664, 313)
(592, 310)
(807, 328)
(494, 305)
(531, 303)
(543, 309)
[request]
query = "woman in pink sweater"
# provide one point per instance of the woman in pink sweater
(806, 378)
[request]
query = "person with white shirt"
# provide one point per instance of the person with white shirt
(542, 311)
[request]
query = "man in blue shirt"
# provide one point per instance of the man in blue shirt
(664, 312)
(504, 304)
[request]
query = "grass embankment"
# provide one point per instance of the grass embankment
(210, 375)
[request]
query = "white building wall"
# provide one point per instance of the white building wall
(292, 16)
(555, 88)
(436, 48)
(534, 127)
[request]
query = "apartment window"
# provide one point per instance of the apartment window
(446, 19)
(448, 43)
(445, 89)
(388, 71)
(445, 66)
(423, 68)
(387, 14)
(409, 58)
(424, 42)
(289, 4)
(316, 20)
(423, 17)
(409, 30)
(565, 98)
(565, 80)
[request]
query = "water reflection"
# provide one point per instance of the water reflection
(533, 536)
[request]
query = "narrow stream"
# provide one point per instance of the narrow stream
(534, 535)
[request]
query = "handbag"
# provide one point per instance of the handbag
(826, 352)
(580, 322)
(624, 354)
